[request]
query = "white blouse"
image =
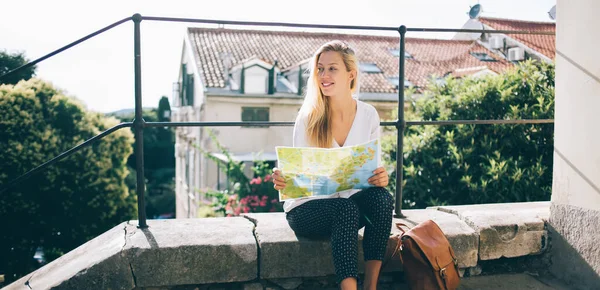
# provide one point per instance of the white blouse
(365, 128)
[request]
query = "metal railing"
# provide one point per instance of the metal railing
(139, 124)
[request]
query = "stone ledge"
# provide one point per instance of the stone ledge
(282, 251)
(97, 263)
(169, 252)
(262, 246)
(506, 230)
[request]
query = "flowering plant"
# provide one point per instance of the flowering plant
(245, 195)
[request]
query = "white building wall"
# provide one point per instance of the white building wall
(239, 140)
(575, 210)
(186, 196)
(577, 139)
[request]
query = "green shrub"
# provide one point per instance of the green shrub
(472, 164)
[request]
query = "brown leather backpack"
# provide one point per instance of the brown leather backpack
(428, 261)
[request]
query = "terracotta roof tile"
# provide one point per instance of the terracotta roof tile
(545, 44)
(430, 56)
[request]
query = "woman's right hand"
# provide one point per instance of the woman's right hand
(278, 179)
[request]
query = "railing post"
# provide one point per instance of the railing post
(139, 124)
(400, 124)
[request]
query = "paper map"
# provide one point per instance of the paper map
(325, 171)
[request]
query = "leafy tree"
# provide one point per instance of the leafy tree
(70, 202)
(164, 110)
(471, 164)
(9, 62)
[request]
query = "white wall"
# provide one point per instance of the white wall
(252, 139)
(575, 210)
(256, 80)
(577, 139)
(186, 196)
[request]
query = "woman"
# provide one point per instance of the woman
(330, 117)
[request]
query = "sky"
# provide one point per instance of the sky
(100, 71)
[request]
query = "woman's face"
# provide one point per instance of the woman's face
(333, 77)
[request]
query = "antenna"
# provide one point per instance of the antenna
(552, 13)
(475, 11)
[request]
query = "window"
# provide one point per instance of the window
(284, 86)
(396, 53)
(182, 98)
(189, 170)
(255, 114)
(189, 90)
(482, 56)
(395, 81)
(369, 68)
(186, 91)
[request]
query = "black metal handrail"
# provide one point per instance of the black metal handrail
(139, 123)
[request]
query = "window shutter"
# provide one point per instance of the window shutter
(190, 89)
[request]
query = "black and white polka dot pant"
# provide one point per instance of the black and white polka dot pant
(341, 218)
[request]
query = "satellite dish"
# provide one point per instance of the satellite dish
(552, 13)
(475, 11)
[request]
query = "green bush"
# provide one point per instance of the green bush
(70, 202)
(472, 164)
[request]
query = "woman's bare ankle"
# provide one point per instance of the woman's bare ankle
(349, 283)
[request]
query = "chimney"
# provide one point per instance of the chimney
(272, 79)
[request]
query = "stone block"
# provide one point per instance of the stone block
(193, 251)
(97, 264)
(501, 282)
(285, 255)
(575, 253)
(507, 229)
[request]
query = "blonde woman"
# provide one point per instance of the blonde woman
(331, 117)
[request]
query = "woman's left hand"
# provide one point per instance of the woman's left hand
(380, 177)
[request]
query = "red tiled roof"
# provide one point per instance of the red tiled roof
(430, 56)
(545, 44)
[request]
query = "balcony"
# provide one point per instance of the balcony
(506, 244)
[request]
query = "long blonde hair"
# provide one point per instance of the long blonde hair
(316, 106)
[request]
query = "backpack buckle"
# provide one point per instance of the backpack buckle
(443, 273)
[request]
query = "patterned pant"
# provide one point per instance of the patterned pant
(341, 218)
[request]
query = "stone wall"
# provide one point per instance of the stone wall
(260, 251)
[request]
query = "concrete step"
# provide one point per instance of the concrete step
(510, 281)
